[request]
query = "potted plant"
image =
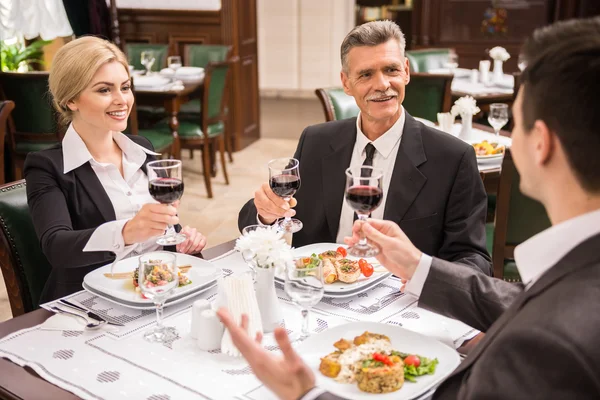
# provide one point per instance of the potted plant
(18, 57)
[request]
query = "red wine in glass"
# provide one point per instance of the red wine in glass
(285, 185)
(166, 190)
(364, 199)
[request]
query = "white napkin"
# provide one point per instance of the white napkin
(238, 293)
(66, 322)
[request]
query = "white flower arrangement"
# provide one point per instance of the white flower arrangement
(466, 105)
(499, 53)
(266, 247)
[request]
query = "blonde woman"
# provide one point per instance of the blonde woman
(88, 196)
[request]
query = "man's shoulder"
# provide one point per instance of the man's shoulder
(327, 129)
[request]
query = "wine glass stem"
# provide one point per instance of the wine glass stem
(363, 239)
(159, 315)
(305, 331)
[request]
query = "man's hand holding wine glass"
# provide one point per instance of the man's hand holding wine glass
(271, 207)
(396, 251)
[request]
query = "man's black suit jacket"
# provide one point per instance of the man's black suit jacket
(436, 194)
(66, 209)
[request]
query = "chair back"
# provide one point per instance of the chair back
(215, 95)
(134, 55)
(199, 55)
(24, 267)
(425, 59)
(428, 94)
(5, 109)
(336, 104)
(518, 217)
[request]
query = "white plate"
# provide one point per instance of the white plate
(321, 344)
(203, 273)
(340, 288)
(150, 81)
(170, 301)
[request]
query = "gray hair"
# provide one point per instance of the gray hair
(371, 34)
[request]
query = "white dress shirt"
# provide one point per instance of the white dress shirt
(127, 192)
(386, 150)
(537, 255)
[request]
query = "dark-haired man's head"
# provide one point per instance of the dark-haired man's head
(556, 139)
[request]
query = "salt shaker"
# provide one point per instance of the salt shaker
(212, 331)
(474, 76)
(197, 308)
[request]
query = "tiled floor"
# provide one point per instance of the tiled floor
(282, 122)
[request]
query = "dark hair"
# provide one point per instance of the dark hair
(561, 86)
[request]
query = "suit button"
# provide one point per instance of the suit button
(116, 246)
(129, 193)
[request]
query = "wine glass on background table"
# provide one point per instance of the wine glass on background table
(364, 193)
(498, 116)
(147, 60)
(305, 287)
(174, 63)
(165, 183)
(452, 62)
(157, 277)
(284, 180)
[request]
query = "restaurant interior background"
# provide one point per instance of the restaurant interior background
(281, 52)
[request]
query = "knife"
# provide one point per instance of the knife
(89, 313)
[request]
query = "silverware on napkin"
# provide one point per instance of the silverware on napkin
(89, 313)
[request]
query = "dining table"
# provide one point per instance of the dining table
(17, 382)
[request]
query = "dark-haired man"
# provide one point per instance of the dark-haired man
(541, 338)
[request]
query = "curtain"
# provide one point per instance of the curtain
(33, 18)
(90, 17)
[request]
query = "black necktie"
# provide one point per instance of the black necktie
(370, 150)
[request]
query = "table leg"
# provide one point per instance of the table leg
(172, 107)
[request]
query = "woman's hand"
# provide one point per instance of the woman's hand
(194, 243)
(151, 221)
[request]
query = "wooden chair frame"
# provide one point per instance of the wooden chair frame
(5, 109)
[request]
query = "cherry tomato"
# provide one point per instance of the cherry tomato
(342, 251)
(306, 260)
(382, 358)
(366, 269)
(362, 262)
(412, 360)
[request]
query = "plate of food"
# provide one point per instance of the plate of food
(488, 150)
(342, 273)
(195, 274)
(368, 360)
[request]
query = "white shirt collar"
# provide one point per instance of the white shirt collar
(386, 142)
(537, 255)
(75, 152)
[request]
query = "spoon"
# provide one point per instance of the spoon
(89, 325)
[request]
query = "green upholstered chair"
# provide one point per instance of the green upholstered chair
(517, 219)
(208, 128)
(5, 108)
(33, 124)
(134, 55)
(24, 267)
(428, 94)
(425, 59)
(337, 104)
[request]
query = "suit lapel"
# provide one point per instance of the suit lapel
(334, 166)
(584, 255)
(89, 181)
(407, 181)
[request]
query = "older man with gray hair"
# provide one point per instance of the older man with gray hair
(431, 183)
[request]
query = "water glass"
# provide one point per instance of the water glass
(147, 60)
(174, 63)
(305, 287)
(158, 275)
(498, 116)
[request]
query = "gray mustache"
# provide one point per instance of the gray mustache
(388, 93)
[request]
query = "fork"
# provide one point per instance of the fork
(378, 305)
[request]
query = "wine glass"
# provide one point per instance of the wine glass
(158, 275)
(165, 184)
(148, 59)
(364, 193)
(174, 63)
(305, 287)
(498, 116)
(522, 62)
(452, 62)
(284, 180)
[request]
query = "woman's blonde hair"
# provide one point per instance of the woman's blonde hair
(74, 66)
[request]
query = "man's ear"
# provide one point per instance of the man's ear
(345, 82)
(406, 70)
(544, 142)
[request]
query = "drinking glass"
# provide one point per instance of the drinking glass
(498, 116)
(305, 287)
(174, 63)
(452, 62)
(157, 277)
(165, 183)
(364, 193)
(284, 180)
(522, 63)
(148, 59)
